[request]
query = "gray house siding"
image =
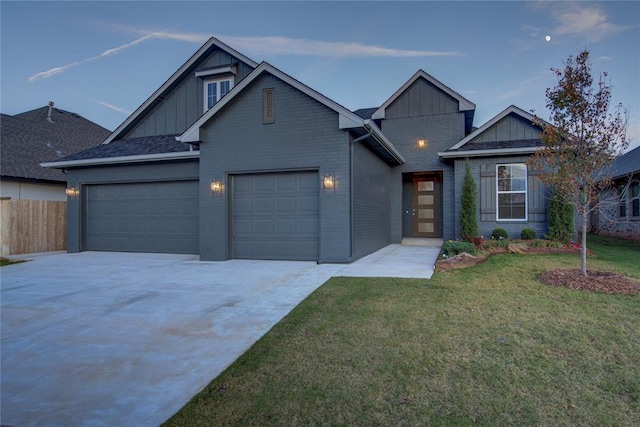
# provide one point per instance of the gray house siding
(82, 177)
(421, 99)
(484, 175)
(511, 128)
(372, 189)
(440, 131)
(303, 136)
(184, 104)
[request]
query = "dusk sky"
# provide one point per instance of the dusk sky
(103, 59)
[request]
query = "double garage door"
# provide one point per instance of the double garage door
(143, 217)
(273, 216)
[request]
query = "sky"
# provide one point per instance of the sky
(104, 59)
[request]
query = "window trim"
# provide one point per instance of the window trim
(622, 205)
(525, 192)
(205, 90)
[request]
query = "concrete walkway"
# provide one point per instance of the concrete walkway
(97, 338)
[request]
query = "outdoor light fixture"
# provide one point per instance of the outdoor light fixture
(217, 186)
(72, 192)
(329, 182)
(422, 144)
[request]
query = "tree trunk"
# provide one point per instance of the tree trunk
(583, 250)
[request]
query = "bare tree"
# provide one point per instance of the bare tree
(580, 140)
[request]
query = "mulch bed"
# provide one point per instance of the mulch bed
(596, 281)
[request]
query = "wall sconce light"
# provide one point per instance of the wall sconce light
(217, 186)
(422, 144)
(72, 192)
(329, 182)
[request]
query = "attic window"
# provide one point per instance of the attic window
(267, 106)
(214, 90)
(216, 83)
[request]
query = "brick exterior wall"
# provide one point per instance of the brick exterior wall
(441, 131)
(609, 222)
(304, 136)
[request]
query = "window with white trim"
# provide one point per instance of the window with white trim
(215, 89)
(622, 206)
(511, 188)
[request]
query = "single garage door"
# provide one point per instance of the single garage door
(143, 217)
(275, 216)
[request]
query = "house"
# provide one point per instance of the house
(36, 136)
(622, 218)
(231, 158)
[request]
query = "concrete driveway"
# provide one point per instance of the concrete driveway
(101, 338)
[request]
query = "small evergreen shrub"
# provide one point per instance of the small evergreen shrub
(468, 206)
(527, 234)
(454, 247)
(560, 217)
(499, 234)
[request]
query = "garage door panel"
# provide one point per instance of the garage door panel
(281, 221)
(143, 217)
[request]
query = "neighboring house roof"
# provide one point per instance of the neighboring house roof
(175, 79)
(31, 138)
(627, 164)
(145, 148)
(346, 118)
(494, 148)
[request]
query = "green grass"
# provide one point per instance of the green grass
(7, 261)
(488, 345)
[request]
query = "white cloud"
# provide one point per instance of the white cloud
(270, 45)
(113, 107)
(585, 20)
(108, 52)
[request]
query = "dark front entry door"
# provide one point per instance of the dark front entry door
(427, 217)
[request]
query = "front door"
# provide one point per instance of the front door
(427, 219)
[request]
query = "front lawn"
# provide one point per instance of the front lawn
(488, 345)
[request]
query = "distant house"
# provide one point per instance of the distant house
(231, 158)
(44, 134)
(622, 218)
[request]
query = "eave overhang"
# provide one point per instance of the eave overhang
(488, 153)
(142, 158)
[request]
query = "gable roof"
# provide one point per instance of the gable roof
(346, 118)
(463, 103)
(523, 146)
(157, 96)
(29, 139)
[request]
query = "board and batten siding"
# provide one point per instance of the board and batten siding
(421, 99)
(184, 104)
(511, 128)
(484, 174)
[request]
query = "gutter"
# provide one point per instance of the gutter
(180, 155)
(487, 153)
(383, 140)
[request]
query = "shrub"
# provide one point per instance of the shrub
(527, 234)
(499, 234)
(468, 206)
(454, 247)
(560, 219)
(477, 241)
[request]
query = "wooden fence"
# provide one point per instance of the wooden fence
(29, 226)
